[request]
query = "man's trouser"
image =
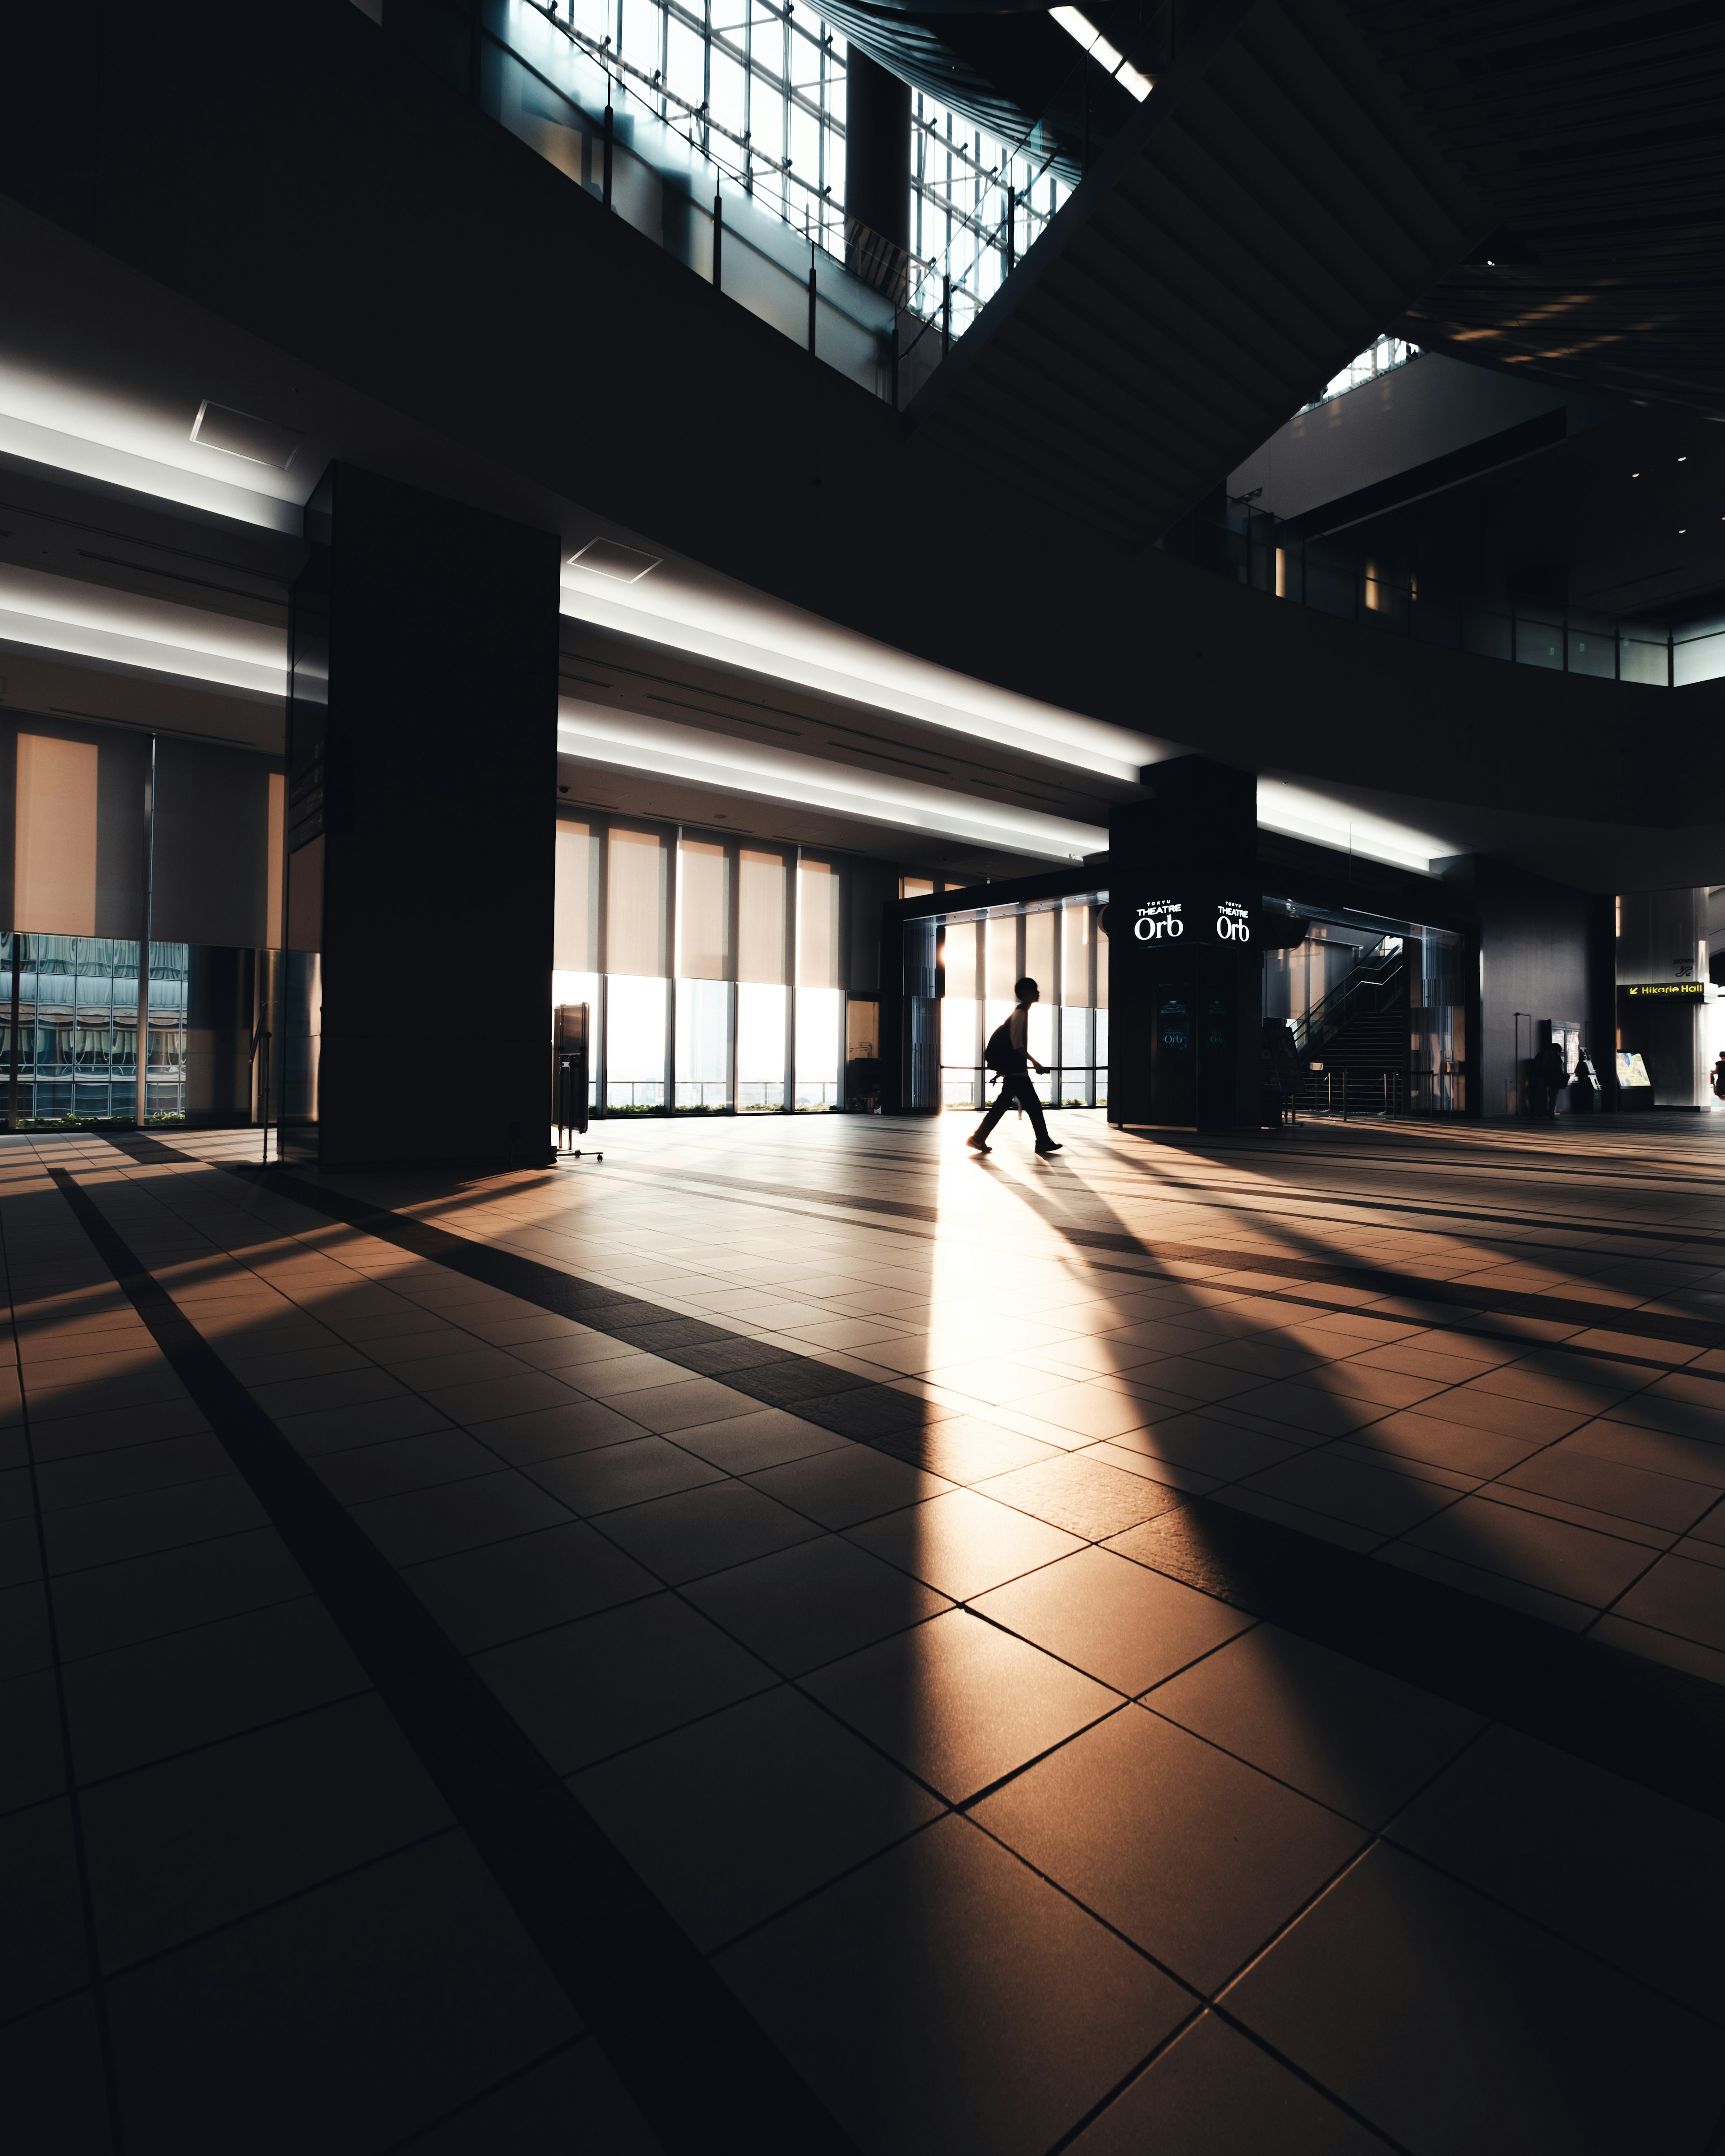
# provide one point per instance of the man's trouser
(1019, 1088)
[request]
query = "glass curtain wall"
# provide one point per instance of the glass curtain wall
(721, 985)
(78, 1025)
(975, 204)
(758, 87)
(982, 958)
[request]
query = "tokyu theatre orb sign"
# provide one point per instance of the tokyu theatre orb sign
(1166, 921)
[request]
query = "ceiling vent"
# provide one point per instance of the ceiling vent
(259, 441)
(606, 558)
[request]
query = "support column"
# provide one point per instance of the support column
(421, 786)
(1185, 965)
(877, 149)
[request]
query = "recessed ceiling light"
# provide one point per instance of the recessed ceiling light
(605, 557)
(239, 434)
(1682, 460)
(1634, 475)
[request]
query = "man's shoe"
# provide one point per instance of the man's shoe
(1049, 1147)
(979, 1141)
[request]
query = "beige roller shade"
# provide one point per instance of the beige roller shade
(55, 888)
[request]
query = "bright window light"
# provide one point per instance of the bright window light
(1085, 33)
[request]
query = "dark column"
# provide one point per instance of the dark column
(1185, 966)
(421, 780)
(877, 148)
(221, 996)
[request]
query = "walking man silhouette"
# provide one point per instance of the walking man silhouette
(1008, 1053)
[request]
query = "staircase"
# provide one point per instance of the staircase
(1359, 1033)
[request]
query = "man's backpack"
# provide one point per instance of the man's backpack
(1000, 1056)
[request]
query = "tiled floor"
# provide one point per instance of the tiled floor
(925, 1709)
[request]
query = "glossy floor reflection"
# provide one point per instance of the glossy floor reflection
(926, 1704)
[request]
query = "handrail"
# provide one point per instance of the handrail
(1253, 546)
(1327, 1017)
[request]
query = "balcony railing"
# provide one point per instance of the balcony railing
(1251, 546)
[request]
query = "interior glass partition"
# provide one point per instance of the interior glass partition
(969, 965)
(1437, 995)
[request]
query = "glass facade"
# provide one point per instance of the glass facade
(723, 985)
(78, 1025)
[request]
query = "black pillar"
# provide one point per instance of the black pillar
(221, 995)
(1185, 963)
(421, 784)
(877, 148)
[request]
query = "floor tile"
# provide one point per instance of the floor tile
(1564, 1560)
(177, 1849)
(746, 1444)
(1214, 2092)
(944, 2001)
(959, 1701)
(590, 1689)
(841, 1488)
(146, 1520)
(84, 1478)
(1198, 1858)
(1382, 1499)
(135, 1704)
(1120, 1623)
(1452, 2024)
(51, 2068)
(1657, 1452)
(143, 1597)
(505, 1590)
(733, 1818)
(814, 1603)
(698, 1531)
(1359, 1741)
(365, 1471)
(41, 1917)
(548, 1433)
(1083, 1496)
(33, 1758)
(419, 1524)
(613, 1475)
(339, 2022)
(963, 1543)
(1679, 1596)
(575, 2094)
(1609, 1487)
(1625, 1874)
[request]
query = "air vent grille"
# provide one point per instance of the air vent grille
(605, 557)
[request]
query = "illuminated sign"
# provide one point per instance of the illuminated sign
(1685, 992)
(1165, 921)
(1162, 921)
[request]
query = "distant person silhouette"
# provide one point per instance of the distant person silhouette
(1549, 1074)
(1008, 1053)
